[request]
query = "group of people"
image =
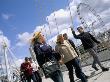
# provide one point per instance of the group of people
(30, 71)
(68, 54)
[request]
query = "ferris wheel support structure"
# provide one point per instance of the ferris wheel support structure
(6, 61)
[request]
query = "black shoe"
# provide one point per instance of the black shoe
(105, 69)
(87, 77)
(95, 68)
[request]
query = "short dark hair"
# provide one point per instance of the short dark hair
(80, 27)
(30, 58)
(64, 34)
(26, 58)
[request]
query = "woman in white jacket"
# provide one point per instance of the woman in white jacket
(69, 58)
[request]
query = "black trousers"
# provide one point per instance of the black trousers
(29, 77)
(37, 76)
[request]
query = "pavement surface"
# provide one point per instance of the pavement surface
(94, 76)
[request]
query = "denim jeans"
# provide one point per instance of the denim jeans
(75, 63)
(57, 76)
(28, 78)
(37, 76)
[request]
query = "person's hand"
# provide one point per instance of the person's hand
(79, 58)
(99, 42)
(72, 28)
(38, 68)
(61, 62)
(28, 67)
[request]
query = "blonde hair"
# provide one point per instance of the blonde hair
(36, 36)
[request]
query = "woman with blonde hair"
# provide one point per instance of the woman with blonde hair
(69, 58)
(44, 54)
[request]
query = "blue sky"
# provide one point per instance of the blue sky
(18, 16)
(25, 15)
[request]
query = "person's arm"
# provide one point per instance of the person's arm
(76, 36)
(21, 68)
(58, 51)
(37, 50)
(39, 54)
(94, 39)
(73, 45)
(30, 67)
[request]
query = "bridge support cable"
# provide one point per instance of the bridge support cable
(56, 22)
(70, 13)
(49, 29)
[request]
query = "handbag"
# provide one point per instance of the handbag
(50, 67)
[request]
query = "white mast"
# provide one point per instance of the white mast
(5, 57)
(6, 60)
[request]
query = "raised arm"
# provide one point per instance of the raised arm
(76, 36)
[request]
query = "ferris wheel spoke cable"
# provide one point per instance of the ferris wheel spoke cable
(49, 29)
(70, 13)
(12, 56)
(93, 12)
(45, 32)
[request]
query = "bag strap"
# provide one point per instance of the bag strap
(70, 46)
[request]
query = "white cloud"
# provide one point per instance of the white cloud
(107, 26)
(23, 39)
(106, 1)
(19, 62)
(62, 17)
(6, 16)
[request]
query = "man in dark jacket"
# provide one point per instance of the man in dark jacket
(88, 42)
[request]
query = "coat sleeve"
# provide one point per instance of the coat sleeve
(21, 68)
(73, 45)
(58, 51)
(76, 36)
(39, 55)
(94, 39)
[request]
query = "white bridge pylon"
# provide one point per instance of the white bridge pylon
(9, 59)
